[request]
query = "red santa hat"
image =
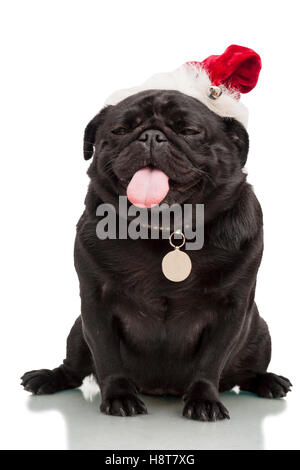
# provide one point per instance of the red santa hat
(217, 81)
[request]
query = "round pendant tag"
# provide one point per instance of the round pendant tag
(176, 265)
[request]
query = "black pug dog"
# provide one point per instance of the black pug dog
(138, 331)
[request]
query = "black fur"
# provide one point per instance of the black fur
(139, 332)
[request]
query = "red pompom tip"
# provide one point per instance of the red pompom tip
(237, 68)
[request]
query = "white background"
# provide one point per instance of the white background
(59, 61)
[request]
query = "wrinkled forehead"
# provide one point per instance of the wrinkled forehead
(160, 104)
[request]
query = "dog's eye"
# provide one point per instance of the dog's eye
(120, 131)
(189, 131)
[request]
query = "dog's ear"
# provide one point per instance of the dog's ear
(239, 137)
(90, 132)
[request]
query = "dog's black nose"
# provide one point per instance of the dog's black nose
(152, 137)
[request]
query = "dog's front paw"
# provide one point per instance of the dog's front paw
(119, 398)
(122, 405)
(204, 410)
(202, 403)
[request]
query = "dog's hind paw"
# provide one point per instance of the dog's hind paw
(270, 385)
(39, 381)
(45, 381)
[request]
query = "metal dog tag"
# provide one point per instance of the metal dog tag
(176, 265)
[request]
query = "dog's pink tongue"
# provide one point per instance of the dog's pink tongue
(148, 187)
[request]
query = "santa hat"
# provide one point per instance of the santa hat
(217, 81)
